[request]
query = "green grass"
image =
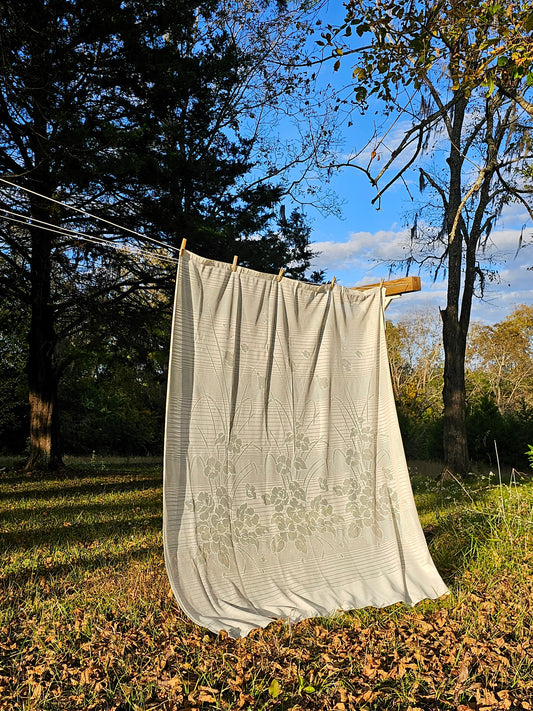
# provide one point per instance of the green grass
(87, 619)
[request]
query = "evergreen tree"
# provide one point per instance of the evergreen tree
(128, 110)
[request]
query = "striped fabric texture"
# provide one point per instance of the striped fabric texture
(286, 491)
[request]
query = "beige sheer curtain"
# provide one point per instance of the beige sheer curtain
(286, 492)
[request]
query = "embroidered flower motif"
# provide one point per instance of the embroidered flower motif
(283, 465)
(219, 529)
(278, 497)
(235, 445)
(350, 457)
(297, 519)
(362, 456)
(299, 439)
(366, 507)
(214, 468)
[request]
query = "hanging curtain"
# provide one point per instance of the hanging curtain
(286, 492)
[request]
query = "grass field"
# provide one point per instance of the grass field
(87, 620)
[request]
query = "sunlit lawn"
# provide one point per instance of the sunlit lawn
(87, 620)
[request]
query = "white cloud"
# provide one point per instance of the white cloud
(386, 137)
(362, 257)
(361, 249)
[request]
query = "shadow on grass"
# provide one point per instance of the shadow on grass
(84, 487)
(442, 497)
(51, 573)
(455, 538)
(68, 511)
(79, 533)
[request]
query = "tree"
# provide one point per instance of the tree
(287, 243)
(142, 115)
(414, 345)
(13, 392)
(459, 72)
(504, 354)
(112, 396)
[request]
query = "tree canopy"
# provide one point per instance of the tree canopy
(150, 118)
(503, 352)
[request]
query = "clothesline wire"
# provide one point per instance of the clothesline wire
(88, 214)
(100, 241)
(59, 228)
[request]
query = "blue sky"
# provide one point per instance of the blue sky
(354, 247)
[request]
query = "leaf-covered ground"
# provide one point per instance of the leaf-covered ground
(87, 620)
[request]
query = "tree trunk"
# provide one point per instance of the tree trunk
(44, 451)
(454, 328)
(456, 458)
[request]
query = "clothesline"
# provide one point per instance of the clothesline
(100, 241)
(393, 287)
(19, 218)
(89, 214)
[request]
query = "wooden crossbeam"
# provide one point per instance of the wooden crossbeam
(395, 286)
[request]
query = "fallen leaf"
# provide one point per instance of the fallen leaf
(485, 699)
(174, 684)
(126, 690)
(36, 691)
(274, 689)
(206, 698)
(209, 689)
(461, 678)
(367, 696)
(244, 699)
(463, 673)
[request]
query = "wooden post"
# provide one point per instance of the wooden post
(394, 287)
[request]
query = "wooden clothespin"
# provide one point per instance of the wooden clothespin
(332, 283)
(234, 265)
(278, 278)
(182, 248)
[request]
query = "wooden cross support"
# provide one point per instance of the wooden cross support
(395, 287)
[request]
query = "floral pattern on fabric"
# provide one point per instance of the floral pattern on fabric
(286, 492)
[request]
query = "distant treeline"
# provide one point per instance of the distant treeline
(499, 383)
(111, 396)
(112, 399)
